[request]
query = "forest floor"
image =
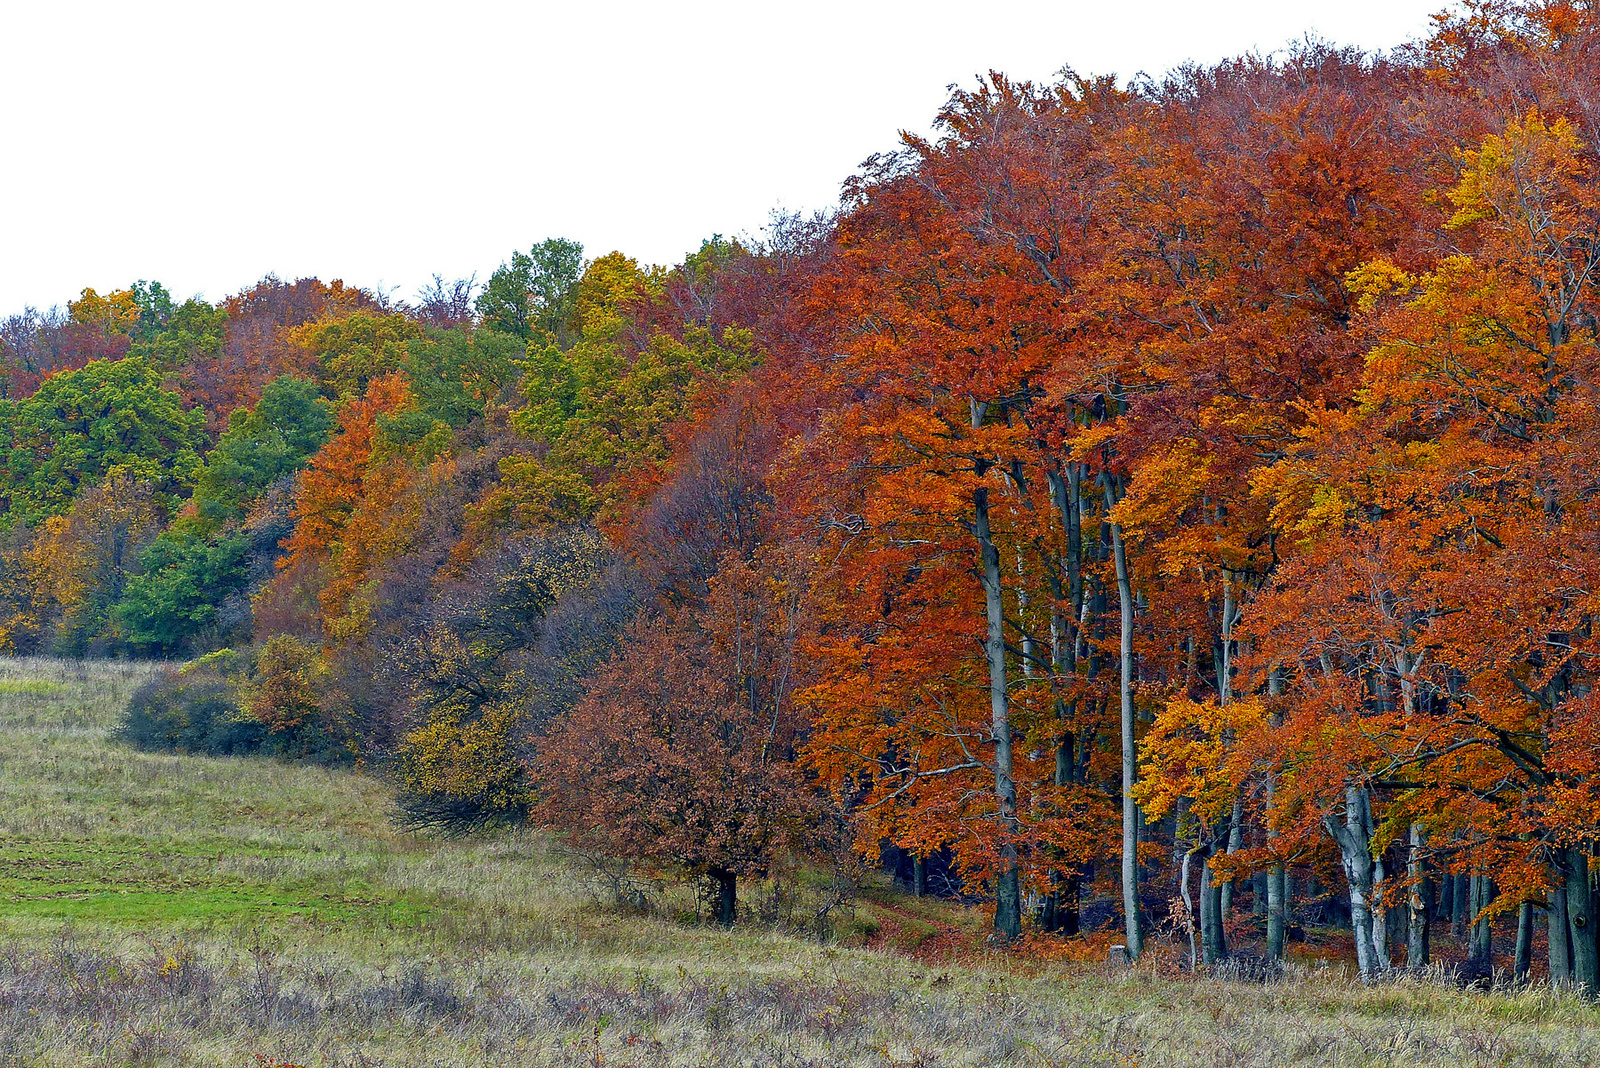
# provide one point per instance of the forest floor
(161, 910)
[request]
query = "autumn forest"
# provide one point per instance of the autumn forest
(1140, 507)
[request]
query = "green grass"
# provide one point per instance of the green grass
(159, 909)
(93, 832)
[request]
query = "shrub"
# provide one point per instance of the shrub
(192, 709)
(288, 695)
(272, 702)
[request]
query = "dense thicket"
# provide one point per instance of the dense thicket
(1151, 491)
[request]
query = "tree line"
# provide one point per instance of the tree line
(1169, 491)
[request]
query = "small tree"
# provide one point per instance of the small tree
(668, 760)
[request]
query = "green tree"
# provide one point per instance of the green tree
(602, 407)
(261, 445)
(183, 577)
(454, 373)
(353, 350)
(154, 306)
(536, 292)
(81, 424)
(176, 336)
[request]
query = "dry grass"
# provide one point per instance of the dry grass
(215, 911)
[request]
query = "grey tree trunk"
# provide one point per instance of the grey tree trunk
(1278, 875)
(1560, 944)
(1007, 891)
(1130, 756)
(1581, 924)
(1277, 909)
(1235, 840)
(1212, 933)
(1523, 959)
(1482, 930)
(1188, 904)
(1380, 916)
(1061, 907)
(919, 876)
(1459, 888)
(1416, 902)
(1354, 836)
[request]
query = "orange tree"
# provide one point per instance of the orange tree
(1456, 484)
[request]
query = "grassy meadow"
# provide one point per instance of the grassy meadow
(167, 910)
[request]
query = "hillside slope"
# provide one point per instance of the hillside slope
(216, 911)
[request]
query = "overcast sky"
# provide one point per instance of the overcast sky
(205, 144)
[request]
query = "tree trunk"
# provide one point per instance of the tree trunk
(1188, 904)
(1580, 924)
(727, 903)
(1212, 933)
(1524, 957)
(1065, 490)
(1459, 885)
(1482, 930)
(1354, 837)
(919, 876)
(1380, 916)
(1224, 696)
(1416, 902)
(1130, 756)
(1235, 840)
(1560, 944)
(1277, 909)
(1007, 888)
(1278, 874)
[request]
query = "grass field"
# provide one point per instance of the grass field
(193, 911)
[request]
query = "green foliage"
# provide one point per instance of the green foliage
(602, 407)
(178, 336)
(357, 348)
(535, 293)
(195, 709)
(410, 433)
(454, 374)
(261, 445)
(183, 576)
(81, 424)
(154, 306)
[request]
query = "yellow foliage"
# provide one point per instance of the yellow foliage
(1512, 173)
(114, 313)
(455, 756)
(1376, 279)
(1186, 754)
(283, 695)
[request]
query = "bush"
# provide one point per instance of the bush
(269, 701)
(193, 709)
(289, 695)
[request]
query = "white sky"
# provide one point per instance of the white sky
(205, 144)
